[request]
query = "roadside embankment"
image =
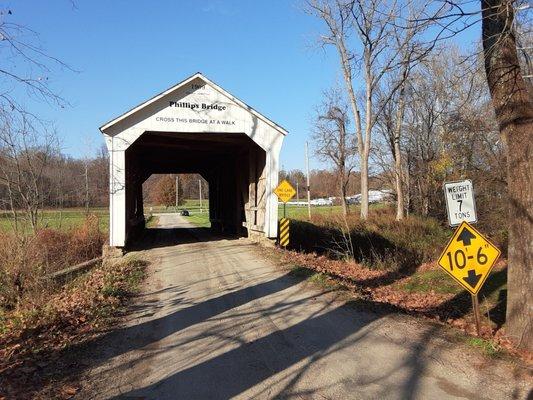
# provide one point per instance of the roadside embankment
(392, 263)
(41, 319)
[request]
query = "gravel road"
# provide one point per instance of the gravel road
(216, 320)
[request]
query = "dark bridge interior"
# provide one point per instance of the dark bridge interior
(233, 165)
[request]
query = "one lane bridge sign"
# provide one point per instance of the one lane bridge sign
(469, 257)
(284, 191)
(460, 202)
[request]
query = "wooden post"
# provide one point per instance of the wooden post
(177, 193)
(200, 193)
(477, 317)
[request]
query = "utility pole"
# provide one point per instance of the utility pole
(308, 187)
(177, 193)
(200, 190)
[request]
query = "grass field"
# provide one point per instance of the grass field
(294, 212)
(55, 219)
(191, 205)
(300, 212)
(198, 216)
(201, 220)
(74, 217)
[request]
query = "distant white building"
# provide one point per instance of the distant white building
(374, 196)
(297, 203)
(380, 196)
(321, 202)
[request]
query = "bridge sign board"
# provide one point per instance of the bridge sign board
(469, 257)
(460, 202)
(285, 191)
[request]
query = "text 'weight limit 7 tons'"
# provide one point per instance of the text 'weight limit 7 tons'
(460, 202)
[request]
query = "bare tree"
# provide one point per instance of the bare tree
(390, 156)
(337, 18)
(26, 144)
(333, 141)
(513, 105)
(507, 73)
(20, 47)
(385, 50)
(391, 103)
(410, 52)
(27, 152)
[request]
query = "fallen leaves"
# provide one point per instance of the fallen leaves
(68, 391)
(34, 341)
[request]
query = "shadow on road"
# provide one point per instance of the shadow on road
(237, 370)
(160, 328)
(297, 349)
(152, 238)
(289, 353)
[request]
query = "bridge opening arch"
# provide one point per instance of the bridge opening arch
(196, 127)
(183, 194)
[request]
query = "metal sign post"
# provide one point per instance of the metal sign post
(477, 315)
(468, 258)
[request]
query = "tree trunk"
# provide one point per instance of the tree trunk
(398, 175)
(347, 73)
(407, 188)
(343, 193)
(364, 188)
(398, 181)
(513, 105)
(365, 152)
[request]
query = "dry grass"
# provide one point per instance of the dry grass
(380, 243)
(26, 261)
(36, 342)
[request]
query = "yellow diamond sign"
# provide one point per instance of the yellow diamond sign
(469, 257)
(285, 191)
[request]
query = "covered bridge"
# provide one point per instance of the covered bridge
(196, 127)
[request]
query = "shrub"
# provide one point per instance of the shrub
(25, 261)
(380, 242)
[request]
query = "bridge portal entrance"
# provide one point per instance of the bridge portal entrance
(196, 127)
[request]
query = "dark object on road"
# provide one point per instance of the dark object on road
(185, 213)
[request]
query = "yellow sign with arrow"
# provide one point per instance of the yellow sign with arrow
(469, 257)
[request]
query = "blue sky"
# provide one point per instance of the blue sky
(127, 51)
